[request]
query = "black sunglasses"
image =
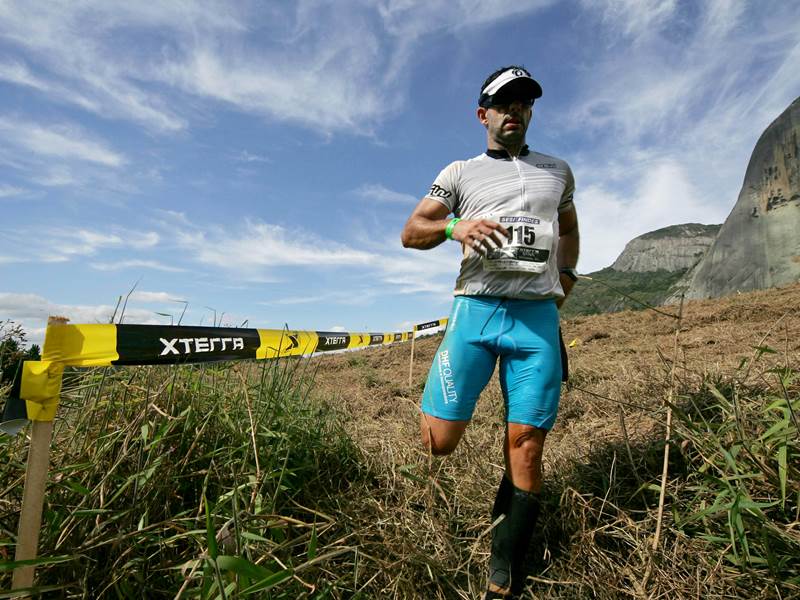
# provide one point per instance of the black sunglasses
(506, 100)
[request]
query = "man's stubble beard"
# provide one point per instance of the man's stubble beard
(515, 137)
(510, 138)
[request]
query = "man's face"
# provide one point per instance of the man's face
(507, 123)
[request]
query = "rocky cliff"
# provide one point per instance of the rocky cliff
(758, 246)
(674, 248)
(648, 271)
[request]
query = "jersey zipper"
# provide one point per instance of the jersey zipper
(523, 204)
(522, 192)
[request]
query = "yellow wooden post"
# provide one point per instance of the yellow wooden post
(30, 519)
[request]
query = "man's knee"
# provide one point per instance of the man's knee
(527, 447)
(438, 444)
(438, 448)
(440, 437)
(530, 445)
(526, 436)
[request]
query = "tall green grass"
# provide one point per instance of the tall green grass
(192, 482)
(741, 438)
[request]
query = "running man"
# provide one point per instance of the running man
(514, 217)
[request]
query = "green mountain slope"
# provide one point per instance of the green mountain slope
(647, 271)
(602, 294)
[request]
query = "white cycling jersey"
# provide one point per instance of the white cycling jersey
(524, 194)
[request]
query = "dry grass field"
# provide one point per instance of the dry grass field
(426, 521)
(304, 479)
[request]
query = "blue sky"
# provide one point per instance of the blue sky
(259, 159)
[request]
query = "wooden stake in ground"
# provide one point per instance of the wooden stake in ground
(668, 434)
(30, 519)
(411, 364)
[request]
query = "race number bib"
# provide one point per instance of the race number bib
(527, 249)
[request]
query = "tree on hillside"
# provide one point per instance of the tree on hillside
(12, 350)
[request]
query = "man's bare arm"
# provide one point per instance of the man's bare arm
(568, 246)
(425, 229)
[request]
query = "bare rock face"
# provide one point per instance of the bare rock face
(758, 246)
(674, 248)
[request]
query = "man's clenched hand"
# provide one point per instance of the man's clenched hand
(482, 235)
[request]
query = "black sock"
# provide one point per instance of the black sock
(502, 498)
(512, 535)
(499, 563)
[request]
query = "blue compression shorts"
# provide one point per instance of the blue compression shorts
(523, 334)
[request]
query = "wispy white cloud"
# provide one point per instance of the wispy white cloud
(142, 239)
(677, 82)
(33, 310)
(258, 246)
(95, 69)
(174, 217)
(331, 67)
(664, 195)
(62, 140)
(154, 297)
(249, 157)
(635, 18)
(205, 51)
(362, 295)
(256, 249)
(377, 192)
(721, 17)
(671, 110)
(327, 90)
(18, 73)
(414, 18)
(68, 242)
(135, 264)
(61, 244)
(63, 155)
(9, 191)
(55, 176)
(432, 272)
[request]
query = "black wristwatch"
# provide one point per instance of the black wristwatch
(570, 272)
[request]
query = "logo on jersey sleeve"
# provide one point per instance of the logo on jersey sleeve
(438, 191)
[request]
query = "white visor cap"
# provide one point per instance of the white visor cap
(516, 75)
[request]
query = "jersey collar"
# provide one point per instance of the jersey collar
(504, 153)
